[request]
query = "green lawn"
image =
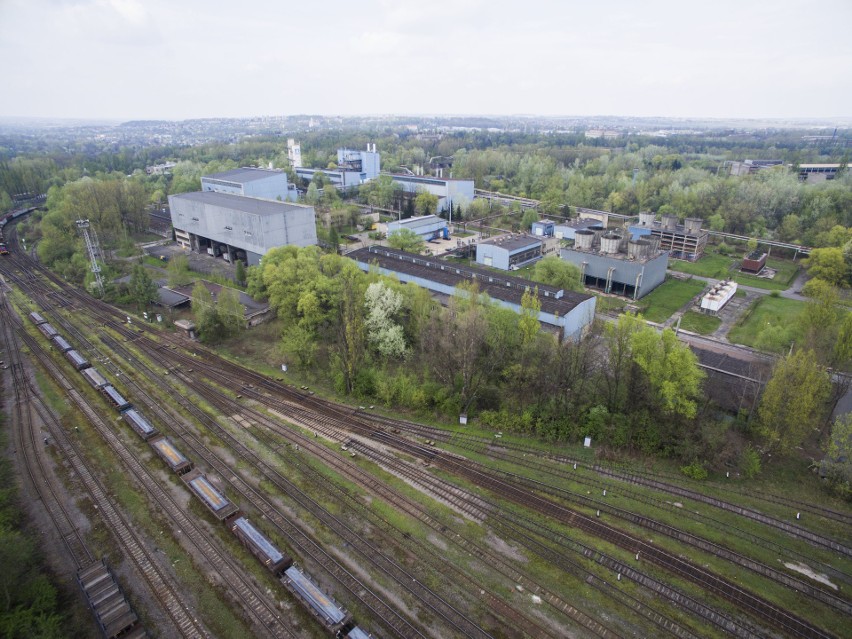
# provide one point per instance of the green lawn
(699, 323)
(769, 323)
(668, 297)
(711, 265)
(787, 272)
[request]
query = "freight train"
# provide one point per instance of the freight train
(332, 615)
(5, 219)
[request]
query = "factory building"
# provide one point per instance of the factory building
(354, 168)
(683, 241)
(611, 262)
(753, 262)
(236, 227)
(428, 227)
(509, 252)
(566, 230)
(451, 193)
(817, 172)
(251, 182)
(543, 228)
(568, 312)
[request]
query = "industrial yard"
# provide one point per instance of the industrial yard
(233, 500)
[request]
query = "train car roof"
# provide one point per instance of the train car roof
(62, 343)
(168, 451)
(136, 418)
(357, 633)
(320, 602)
(114, 395)
(262, 543)
(204, 489)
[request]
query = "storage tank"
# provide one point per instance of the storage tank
(654, 243)
(692, 224)
(670, 221)
(609, 243)
(583, 240)
(638, 249)
(647, 219)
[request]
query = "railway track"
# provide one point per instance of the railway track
(162, 586)
(773, 616)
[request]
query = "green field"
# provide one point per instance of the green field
(699, 323)
(668, 297)
(769, 324)
(711, 265)
(787, 272)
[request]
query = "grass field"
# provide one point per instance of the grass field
(711, 265)
(772, 315)
(787, 272)
(699, 323)
(668, 297)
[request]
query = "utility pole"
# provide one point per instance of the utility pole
(93, 248)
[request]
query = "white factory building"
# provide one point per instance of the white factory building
(450, 192)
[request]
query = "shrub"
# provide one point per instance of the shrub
(750, 463)
(695, 470)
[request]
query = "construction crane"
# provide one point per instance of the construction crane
(93, 248)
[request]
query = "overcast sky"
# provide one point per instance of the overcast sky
(177, 59)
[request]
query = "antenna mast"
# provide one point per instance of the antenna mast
(93, 248)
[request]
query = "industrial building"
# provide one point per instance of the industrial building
(568, 312)
(753, 262)
(811, 173)
(451, 193)
(683, 241)
(509, 252)
(427, 227)
(716, 298)
(251, 182)
(236, 227)
(543, 228)
(611, 262)
(566, 230)
(354, 168)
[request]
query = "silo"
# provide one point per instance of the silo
(609, 243)
(647, 218)
(693, 224)
(653, 243)
(670, 222)
(598, 230)
(638, 249)
(583, 240)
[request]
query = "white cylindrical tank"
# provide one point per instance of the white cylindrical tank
(693, 224)
(583, 240)
(638, 249)
(670, 221)
(609, 243)
(647, 218)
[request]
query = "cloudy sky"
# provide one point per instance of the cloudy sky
(176, 59)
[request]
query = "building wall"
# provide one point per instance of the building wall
(652, 272)
(268, 188)
(425, 229)
(492, 255)
(250, 232)
(574, 324)
(449, 192)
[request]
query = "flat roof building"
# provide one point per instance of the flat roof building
(614, 264)
(566, 230)
(569, 312)
(251, 182)
(426, 226)
(354, 168)
(683, 241)
(818, 172)
(509, 252)
(450, 192)
(236, 227)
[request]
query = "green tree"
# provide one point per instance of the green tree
(528, 324)
(793, 402)
(142, 289)
(300, 343)
(382, 304)
(530, 216)
(426, 203)
(555, 271)
(838, 462)
(828, 264)
(231, 311)
(240, 273)
(406, 240)
(178, 270)
(312, 196)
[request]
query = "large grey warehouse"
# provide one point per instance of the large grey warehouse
(237, 227)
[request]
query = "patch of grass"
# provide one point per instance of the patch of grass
(787, 272)
(661, 304)
(777, 314)
(700, 323)
(710, 265)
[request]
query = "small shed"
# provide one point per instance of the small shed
(753, 262)
(188, 326)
